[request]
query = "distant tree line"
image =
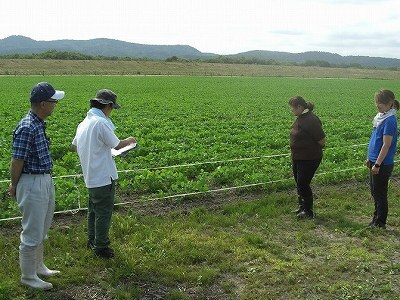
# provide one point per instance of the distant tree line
(68, 55)
(65, 55)
(260, 61)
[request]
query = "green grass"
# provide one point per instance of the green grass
(245, 249)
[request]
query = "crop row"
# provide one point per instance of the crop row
(181, 120)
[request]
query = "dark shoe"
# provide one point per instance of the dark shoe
(305, 215)
(90, 245)
(298, 210)
(104, 252)
(377, 225)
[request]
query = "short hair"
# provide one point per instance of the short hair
(97, 104)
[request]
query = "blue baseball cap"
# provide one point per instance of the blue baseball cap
(44, 91)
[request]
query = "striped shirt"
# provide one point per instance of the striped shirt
(31, 144)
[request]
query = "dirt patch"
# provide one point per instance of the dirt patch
(163, 207)
(151, 291)
(90, 292)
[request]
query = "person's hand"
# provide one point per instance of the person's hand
(12, 190)
(374, 170)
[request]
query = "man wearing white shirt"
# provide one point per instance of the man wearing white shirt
(93, 142)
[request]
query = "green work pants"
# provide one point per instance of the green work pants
(100, 208)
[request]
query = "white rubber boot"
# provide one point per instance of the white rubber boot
(41, 269)
(27, 262)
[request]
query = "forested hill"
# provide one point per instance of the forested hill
(115, 48)
(101, 47)
(330, 58)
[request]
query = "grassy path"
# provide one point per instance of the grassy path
(226, 247)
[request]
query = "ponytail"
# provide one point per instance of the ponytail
(298, 100)
(310, 106)
(396, 104)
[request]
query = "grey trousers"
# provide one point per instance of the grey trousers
(100, 209)
(36, 201)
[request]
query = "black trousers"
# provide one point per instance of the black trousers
(379, 191)
(303, 173)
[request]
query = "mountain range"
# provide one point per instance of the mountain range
(116, 48)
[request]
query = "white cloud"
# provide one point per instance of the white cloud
(351, 27)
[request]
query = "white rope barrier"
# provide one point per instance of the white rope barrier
(194, 164)
(74, 211)
(76, 176)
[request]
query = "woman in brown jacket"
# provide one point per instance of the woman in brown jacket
(307, 139)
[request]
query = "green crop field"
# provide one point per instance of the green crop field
(202, 135)
(232, 131)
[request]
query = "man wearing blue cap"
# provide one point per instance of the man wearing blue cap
(32, 184)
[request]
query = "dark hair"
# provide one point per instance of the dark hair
(298, 100)
(97, 104)
(385, 97)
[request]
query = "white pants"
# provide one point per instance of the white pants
(36, 201)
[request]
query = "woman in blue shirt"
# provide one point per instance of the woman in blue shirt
(381, 151)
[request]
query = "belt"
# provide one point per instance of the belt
(38, 173)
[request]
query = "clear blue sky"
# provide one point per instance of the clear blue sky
(353, 27)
